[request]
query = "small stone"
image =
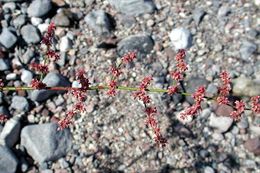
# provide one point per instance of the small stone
(9, 5)
(99, 22)
(247, 49)
(223, 110)
(208, 169)
(222, 124)
(63, 163)
(39, 8)
(8, 160)
(65, 44)
(27, 56)
(45, 143)
(30, 34)
(4, 64)
(186, 120)
(20, 103)
(141, 43)
(181, 38)
(223, 11)
(26, 77)
(243, 123)
(197, 15)
(7, 38)
(10, 133)
(253, 145)
(11, 76)
(19, 21)
(61, 19)
(133, 7)
(36, 21)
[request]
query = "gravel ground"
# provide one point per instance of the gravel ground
(112, 136)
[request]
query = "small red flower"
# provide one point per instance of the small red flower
(240, 108)
(47, 39)
(255, 104)
(53, 55)
(112, 88)
(142, 96)
(172, 90)
(129, 57)
(115, 71)
(39, 67)
(3, 118)
(176, 75)
(36, 84)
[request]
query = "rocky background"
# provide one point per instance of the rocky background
(111, 136)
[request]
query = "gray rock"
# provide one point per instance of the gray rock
(99, 22)
(223, 11)
(27, 56)
(133, 7)
(45, 143)
(36, 21)
(10, 134)
(11, 76)
(212, 90)
(39, 8)
(7, 38)
(141, 43)
(4, 111)
(208, 169)
(11, 0)
(243, 123)
(19, 21)
(26, 76)
(8, 161)
(222, 124)
(198, 15)
(30, 34)
(20, 103)
(61, 19)
(4, 64)
(181, 38)
(247, 49)
(51, 80)
(65, 44)
(253, 145)
(9, 5)
(243, 86)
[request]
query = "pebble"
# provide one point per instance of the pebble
(223, 11)
(246, 50)
(253, 145)
(19, 21)
(133, 7)
(36, 21)
(39, 8)
(26, 77)
(61, 19)
(243, 86)
(198, 15)
(9, 5)
(30, 34)
(141, 43)
(65, 44)
(222, 124)
(7, 38)
(8, 160)
(99, 22)
(20, 103)
(45, 143)
(4, 64)
(10, 133)
(11, 76)
(208, 169)
(181, 38)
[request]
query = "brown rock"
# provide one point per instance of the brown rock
(253, 145)
(223, 110)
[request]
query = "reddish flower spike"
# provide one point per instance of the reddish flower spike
(255, 104)
(3, 118)
(36, 84)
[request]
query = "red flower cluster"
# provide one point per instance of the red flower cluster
(141, 94)
(198, 97)
(80, 94)
(152, 122)
(240, 108)
(112, 88)
(39, 67)
(36, 84)
(129, 57)
(178, 74)
(255, 104)
(224, 89)
(47, 39)
(3, 118)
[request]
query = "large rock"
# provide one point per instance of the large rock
(181, 38)
(133, 7)
(10, 133)
(141, 43)
(99, 22)
(7, 38)
(8, 161)
(51, 80)
(244, 86)
(45, 143)
(39, 8)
